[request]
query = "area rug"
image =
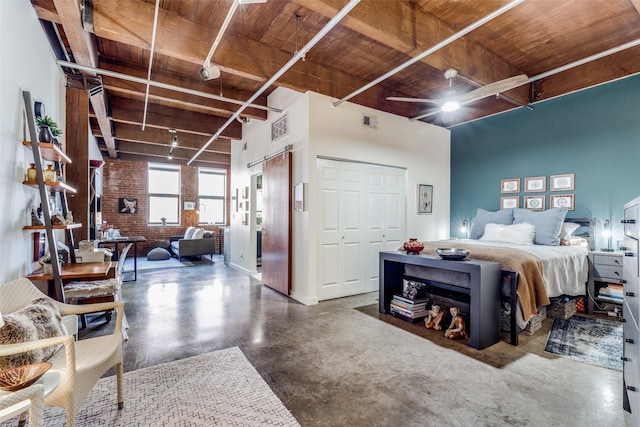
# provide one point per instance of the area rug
(214, 389)
(589, 340)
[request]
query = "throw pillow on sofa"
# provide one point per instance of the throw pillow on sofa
(38, 320)
(189, 233)
(198, 233)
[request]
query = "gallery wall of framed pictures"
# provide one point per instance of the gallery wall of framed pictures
(535, 192)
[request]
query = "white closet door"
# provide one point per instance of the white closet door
(386, 213)
(375, 222)
(361, 213)
(394, 208)
(329, 177)
(352, 265)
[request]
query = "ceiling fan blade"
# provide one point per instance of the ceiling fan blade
(399, 98)
(494, 88)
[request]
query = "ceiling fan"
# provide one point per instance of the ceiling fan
(452, 102)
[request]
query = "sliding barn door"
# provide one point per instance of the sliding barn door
(276, 223)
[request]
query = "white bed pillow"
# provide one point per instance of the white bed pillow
(484, 217)
(567, 230)
(521, 234)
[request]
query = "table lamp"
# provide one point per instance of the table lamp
(606, 233)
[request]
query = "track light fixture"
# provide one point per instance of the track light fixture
(209, 72)
(174, 142)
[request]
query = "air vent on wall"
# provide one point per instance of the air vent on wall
(279, 128)
(369, 121)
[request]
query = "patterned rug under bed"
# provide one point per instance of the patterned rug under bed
(220, 388)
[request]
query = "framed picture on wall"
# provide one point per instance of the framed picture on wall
(510, 185)
(425, 198)
(535, 184)
(534, 203)
(509, 202)
(562, 201)
(127, 205)
(564, 182)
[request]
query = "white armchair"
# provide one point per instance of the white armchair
(80, 363)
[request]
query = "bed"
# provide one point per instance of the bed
(532, 273)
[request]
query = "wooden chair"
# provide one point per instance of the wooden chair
(97, 291)
(79, 363)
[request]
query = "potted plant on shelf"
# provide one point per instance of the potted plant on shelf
(49, 130)
(47, 268)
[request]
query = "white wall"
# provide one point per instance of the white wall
(317, 128)
(26, 63)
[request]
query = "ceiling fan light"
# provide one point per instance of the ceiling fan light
(450, 106)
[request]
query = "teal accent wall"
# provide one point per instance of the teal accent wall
(594, 134)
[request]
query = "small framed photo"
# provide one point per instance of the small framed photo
(535, 184)
(425, 198)
(189, 206)
(298, 197)
(562, 201)
(534, 203)
(564, 182)
(510, 185)
(509, 202)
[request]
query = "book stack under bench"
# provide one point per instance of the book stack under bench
(611, 293)
(409, 310)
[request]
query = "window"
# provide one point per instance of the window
(212, 200)
(164, 193)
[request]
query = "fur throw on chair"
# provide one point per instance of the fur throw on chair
(38, 320)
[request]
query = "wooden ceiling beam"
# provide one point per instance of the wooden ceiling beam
(46, 10)
(405, 27)
(130, 22)
(125, 110)
(180, 99)
(151, 135)
(178, 152)
(164, 159)
(85, 53)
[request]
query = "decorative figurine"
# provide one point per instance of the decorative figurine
(434, 317)
(34, 219)
(411, 290)
(457, 328)
(57, 219)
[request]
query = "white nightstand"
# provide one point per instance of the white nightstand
(604, 267)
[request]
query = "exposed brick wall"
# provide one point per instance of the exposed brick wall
(123, 178)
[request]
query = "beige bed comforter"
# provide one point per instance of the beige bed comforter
(531, 289)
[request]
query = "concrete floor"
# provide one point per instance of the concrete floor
(340, 363)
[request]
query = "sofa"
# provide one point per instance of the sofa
(194, 242)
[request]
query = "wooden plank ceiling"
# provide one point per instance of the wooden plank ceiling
(534, 37)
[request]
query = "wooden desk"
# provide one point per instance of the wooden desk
(131, 239)
(82, 271)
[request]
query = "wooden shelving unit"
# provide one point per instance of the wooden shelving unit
(55, 227)
(58, 187)
(43, 151)
(50, 152)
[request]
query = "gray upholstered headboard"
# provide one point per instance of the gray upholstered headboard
(587, 229)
